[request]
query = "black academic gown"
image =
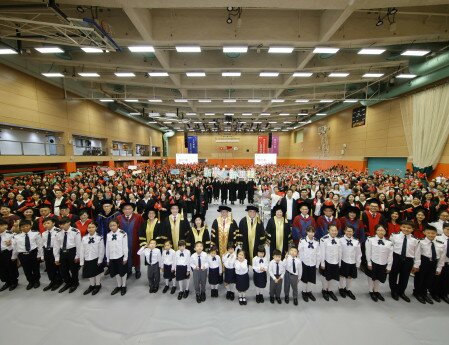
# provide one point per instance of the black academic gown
(242, 190)
(224, 191)
(232, 191)
(271, 236)
(232, 235)
(144, 237)
(166, 232)
(243, 237)
(190, 241)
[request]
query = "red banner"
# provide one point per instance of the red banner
(262, 144)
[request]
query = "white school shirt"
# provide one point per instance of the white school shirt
(53, 231)
(241, 268)
(440, 249)
(438, 225)
(156, 256)
(73, 241)
(229, 260)
(257, 265)
(214, 263)
(288, 260)
(6, 236)
(290, 204)
(168, 258)
(309, 256)
(413, 250)
(272, 269)
(92, 247)
(351, 254)
(183, 260)
(117, 248)
(194, 261)
(444, 239)
(18, 243)
(330, 252)
(380, 254)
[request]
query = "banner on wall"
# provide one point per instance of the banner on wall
(262, 144)
(192, 144)
(274, 144)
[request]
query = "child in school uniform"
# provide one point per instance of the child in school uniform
(153, 261)
(260, 269)
(293, 270)
(331, 252)
(351, 257)
(117, 256)
(48, 245)
(229, 259)
(432, 261)
(379, 257)
(276, 270)
(241, 276)
(199, 265)
(215, 271)
(27, 246)
(168, 262)
(8, 267)
(406, 259)
(91, 258)
(442, 281)
(309, 254)
(182, 269)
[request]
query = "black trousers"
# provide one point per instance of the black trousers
(30, 265)
(425, 278)
(441, 287)
(400, 270)
(52, 270)
(69, 269)
(8, 269)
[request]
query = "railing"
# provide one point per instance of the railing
(121, 152)
(89, 151)
(23, 148)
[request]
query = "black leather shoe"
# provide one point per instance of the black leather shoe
(123, 291)
(287, 299)
(244, 301)
(203, 296)
(56, 286)
(428, 299)
(48, 287)
(443, 298)
(96, 289)
(350, 294)
(395, 296)
(373, 296)
(12, 287)
(89, 290)
(295, 301)
(186, 294)
(232, 296)
(436, 298)
(73, 288)
(332, 295)
(156, 289)
(325, 295)
(257, 298)
(342, 292)
(36, 285)
(198, 298)
(380, 297)
(405, 297)
(420, 298)
(165, 289)
(4, 287)
(241, 300)
(173, 290)
(138, 275)
(180, 295)
(311, 296)
(262, 300)
(116, 290)
(228, 294)
(271, 300)
(278, 299)
(64, 288)
(305, 296)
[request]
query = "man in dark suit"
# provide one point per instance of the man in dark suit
(289, 206)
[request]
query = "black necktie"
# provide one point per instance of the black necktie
(64, 242)
(27, 243)
(380, 242)
(333, 241)
(294, 265)
(91, 240)
(447, 248)
(277, 268)
(114, 237)
(404, 248)
(182, 254)
(260, 261)
(349, 243)
(434, 252)
(252, 221)
(167, 252)
(199, 262)
(49, 239)
(310, 245)
(151, 257)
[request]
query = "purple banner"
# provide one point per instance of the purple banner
(274, 144)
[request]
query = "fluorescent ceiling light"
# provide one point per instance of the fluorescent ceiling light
(326, 101)
(257, 122)
(124, 74)
(247, 114)
(158, 74)
(209, 114)
(302, 101)
(181, 100)
(303, 114)
(338, 74)
(320, 114)
(134, 113)
(235, 49)
(92, 50)
(287, 122)
(53, 75)
(254, 100)
(205, 100)
(229, 100)
(406, 76)
(269, 74)
(411, 52)
(302, 74)
(153, 114)
(242, 122)
(195, 74)
(272, 122)
(197, 122)
(141, 49)
(372, 75)
(212, 122)
(188, 49)
(7, 51)
(152, 122)
(155, 100)
(89, 74)
(131, 100)
(170, 114)
(325, 50)
(49, 50)
(284, 114)
(280, 50)
(371, 51)
(277, 100)
(190, 114)
(106, 100)
(228, 114)
(167, 122)
(231, 74)
(350, 101)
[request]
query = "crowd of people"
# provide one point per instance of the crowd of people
(335, 221)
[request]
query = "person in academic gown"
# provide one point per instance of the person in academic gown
(105, 216)
(250, 186)
(241, 191)
(232, 191)
(352, 218)
(224, 187)
(198, 232)
(251, 231)
(278, 232)
(224, 230)
(175, 227)
(150, 229)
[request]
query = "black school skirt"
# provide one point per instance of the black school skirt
(214, 276)
(242, 282)
(181, 273)
(378, 272)
(230, 276)
(168, 274)
(91, 268)
(330, 272)
(116, 266)
(260, 279)
(348, 270)
(308, 274)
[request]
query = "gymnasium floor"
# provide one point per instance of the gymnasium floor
(37, 317)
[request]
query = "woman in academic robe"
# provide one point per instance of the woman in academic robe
(150, 229)
(232, 191)
(202, 201)
(198, 233)
(278, 232)
(241, 191)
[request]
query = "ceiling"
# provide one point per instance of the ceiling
(177, 101)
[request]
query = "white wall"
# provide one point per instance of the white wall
(13, 141)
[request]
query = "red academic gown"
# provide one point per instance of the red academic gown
(299, 227)
(131, 227)
(82, 227)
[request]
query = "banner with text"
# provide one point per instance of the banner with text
(192, 144)
(262, 144)
(274, 144)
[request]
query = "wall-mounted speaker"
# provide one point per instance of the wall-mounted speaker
(270, 139)
(186, 140)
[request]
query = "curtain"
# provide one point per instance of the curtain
(426, 116)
